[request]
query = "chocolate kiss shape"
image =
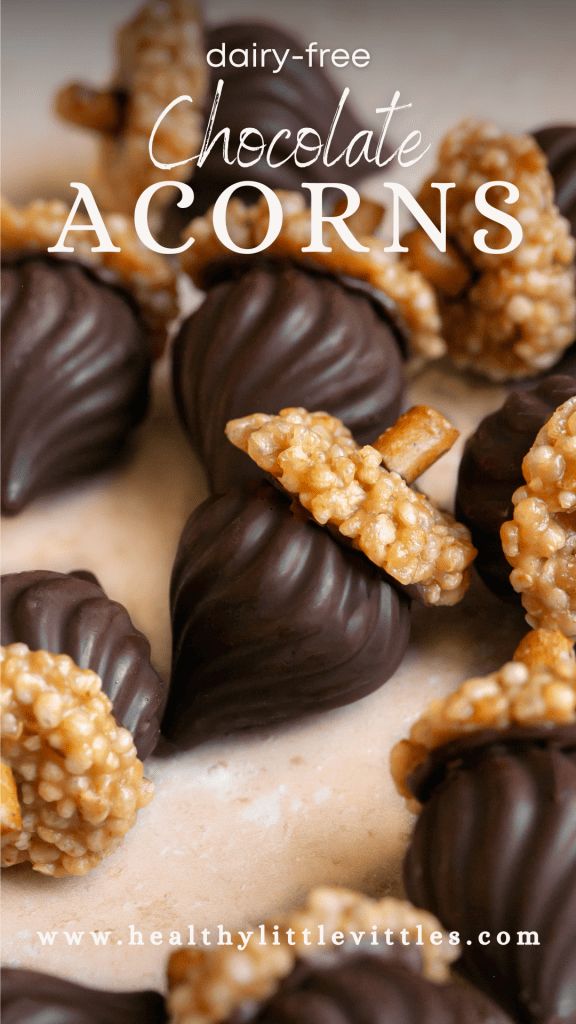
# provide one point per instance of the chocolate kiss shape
(76, 366)
(29, 997)
(559, 144)
(280, 336)
(359, 988)
(70, 614)
(491, 470)
(272, 619)
(494, 850)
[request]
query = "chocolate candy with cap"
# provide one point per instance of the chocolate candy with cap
(69, 613)
(272, 620)
(79, 336)
(282, 104)
(510, 315)
(492, 771)
(356, 982)
(364, 495)
(29, 997)
(325, 330)
(159, 56)
(491, 471)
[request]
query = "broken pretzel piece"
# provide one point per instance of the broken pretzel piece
(540, 541)
(347, 487)
(78, 779)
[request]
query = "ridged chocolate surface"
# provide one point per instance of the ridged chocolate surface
(70, 614)
(494, 849)
(280, 336)
(29, 997)
(298, 97)
(75, 373)
(272, 619)
(559, 144)
(367, 989)
(491, 470)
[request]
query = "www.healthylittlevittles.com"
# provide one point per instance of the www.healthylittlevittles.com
(321, 937)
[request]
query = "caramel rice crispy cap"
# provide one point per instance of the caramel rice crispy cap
(70, 774)
(506, 316)
(540, 541)
(314, 457)
(408, 291)
(536, 688)
(208, 985)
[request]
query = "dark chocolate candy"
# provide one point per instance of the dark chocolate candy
(280, 336)
(76, 366)
(29, 997)
(567, 365)
(70, 614)
(491, 470)
(298, 97)
(559, 144)
(361, 988)
(272, 619)
(494, 850)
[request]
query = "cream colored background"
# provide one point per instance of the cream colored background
(240, 829)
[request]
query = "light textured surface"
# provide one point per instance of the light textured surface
(240, 830)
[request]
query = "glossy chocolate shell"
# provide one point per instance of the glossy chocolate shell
(361, 988)
(76, 365)
(280, 336)
(272, 619)
(494, 850)
(29, 997)
(298, 97)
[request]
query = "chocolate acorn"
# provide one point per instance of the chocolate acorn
(558, 142)
(491, 471)
(328, 331)
(159, 55)
(29, 997)
(272, 619)
(353, 981)
(70, 614)
(281, 335)
(498, 317)
(297, 97)
(493, 853)
(78, 340)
